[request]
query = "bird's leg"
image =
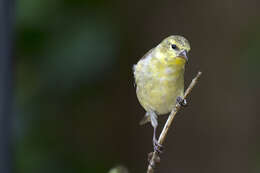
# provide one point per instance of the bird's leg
(156, 146)
(154, 123)
(181, 101)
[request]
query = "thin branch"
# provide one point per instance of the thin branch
(154, 157)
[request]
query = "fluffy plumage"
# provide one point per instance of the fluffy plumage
(159, 77)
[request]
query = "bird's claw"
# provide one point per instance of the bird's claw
(157, 147)
(182, 102)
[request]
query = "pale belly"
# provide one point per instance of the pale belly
(159, 93)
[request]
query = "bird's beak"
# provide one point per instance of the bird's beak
(184, 55)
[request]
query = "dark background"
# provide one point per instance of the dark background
(74, 107)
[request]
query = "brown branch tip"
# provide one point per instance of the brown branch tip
(153, 157)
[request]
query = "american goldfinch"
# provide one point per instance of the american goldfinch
(159, 78)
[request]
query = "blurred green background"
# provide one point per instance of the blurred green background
(75, 108)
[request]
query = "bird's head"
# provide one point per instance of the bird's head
(175, 48)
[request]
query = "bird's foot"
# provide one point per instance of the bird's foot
(157, 147)
(182, 102)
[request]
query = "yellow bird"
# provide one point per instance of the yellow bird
(159, 78)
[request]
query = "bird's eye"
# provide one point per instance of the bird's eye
(174, 46)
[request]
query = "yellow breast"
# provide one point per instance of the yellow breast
(158, 84)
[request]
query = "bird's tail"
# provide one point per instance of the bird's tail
(145, 119)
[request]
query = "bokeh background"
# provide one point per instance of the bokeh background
(74, 108)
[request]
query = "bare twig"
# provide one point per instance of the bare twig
(154, 156)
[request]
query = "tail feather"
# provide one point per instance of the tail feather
(145, 120)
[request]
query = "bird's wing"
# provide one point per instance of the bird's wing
(137, 67)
